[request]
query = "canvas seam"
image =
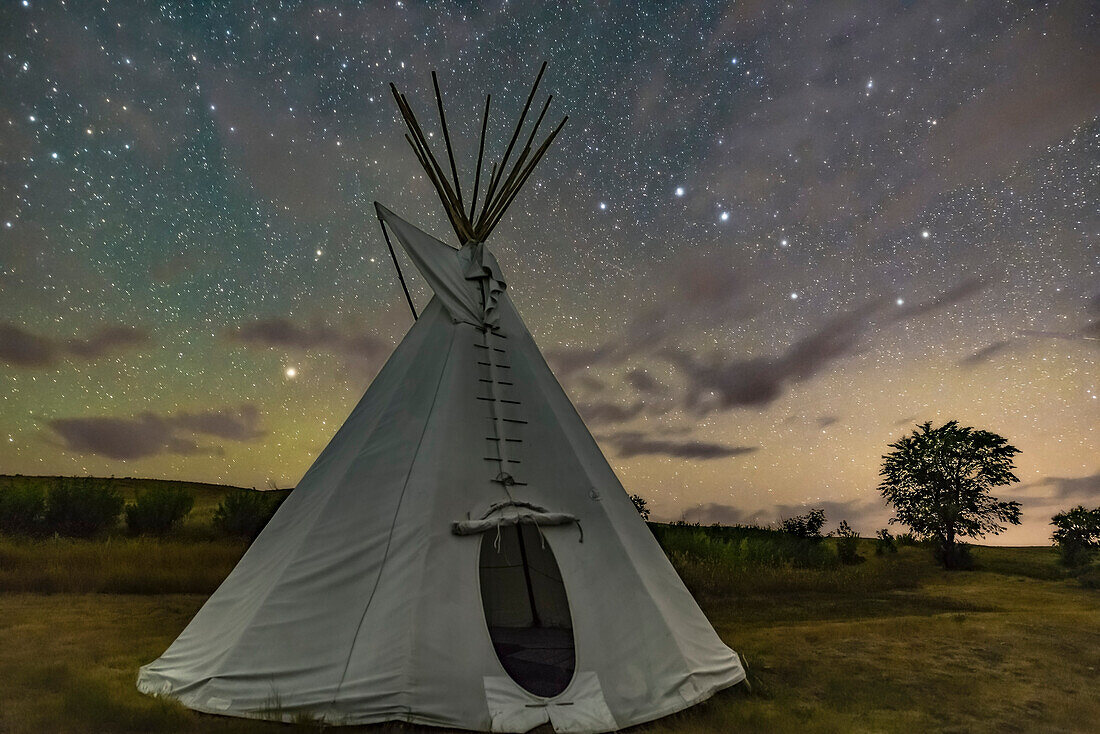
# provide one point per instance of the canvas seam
(393, 524)
(218, 671)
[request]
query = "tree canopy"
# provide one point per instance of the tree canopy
(939, 482)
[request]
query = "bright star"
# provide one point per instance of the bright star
(603, 205)
(679, 190)
(900, 301)
(925, 234)
(725, 216)
(794, 296)
(783, 242)
(291, 373)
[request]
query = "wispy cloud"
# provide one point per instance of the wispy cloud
(285, 334)
(629, 444)
(22, 348)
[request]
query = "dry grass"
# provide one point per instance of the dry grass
(116, 565)
(969, 652)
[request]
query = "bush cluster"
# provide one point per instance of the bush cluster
(847, 544)
(885, 542)
(743, 546)
(22, 510)
(243, 513)
(76, 507)
(159, 510)
(81, 507)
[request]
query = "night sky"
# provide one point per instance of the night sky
(770, 239)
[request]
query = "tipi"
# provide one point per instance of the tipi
(460, 554)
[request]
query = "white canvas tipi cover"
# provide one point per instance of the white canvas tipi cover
(387, 584)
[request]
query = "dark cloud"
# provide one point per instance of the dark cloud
(1081, 489)
(122, 438)
(643, 382)
(599, 412)
(108, 339)
(906, 421)
(1088, 334)
(591, 384)
(824, 421)
(285, 334)
(1052, 86)
(629, 444)
(242, 424)
(984, 354)
(720, 383)
(565, 360)
(951, 297)
(22, 348)
(150, 434)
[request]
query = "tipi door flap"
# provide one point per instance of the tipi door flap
(581, 708)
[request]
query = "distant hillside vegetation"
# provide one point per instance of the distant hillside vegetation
(207, 496)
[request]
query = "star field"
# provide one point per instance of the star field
(770, 239)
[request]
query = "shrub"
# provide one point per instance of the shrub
(641, 506)
(22, 510)
(1077, 533)
(847, 544)
(741, 546)
(81, 507)
(885, 543)
(243, 513)
(906, 539)
(158, 510)
(804, 526)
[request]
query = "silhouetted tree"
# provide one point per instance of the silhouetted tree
(1077, 533)
(804, 526)
(641, 506)
(938, 481)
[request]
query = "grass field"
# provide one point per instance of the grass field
(890, 645)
